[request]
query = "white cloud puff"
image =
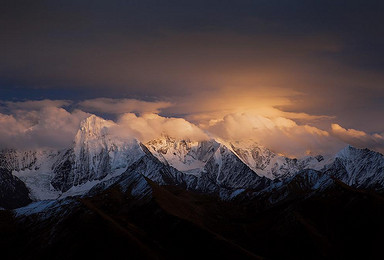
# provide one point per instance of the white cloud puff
(49, 124)
(280, 134)
(359, 138)
(45, 124)
(150, 126)
(48, 127)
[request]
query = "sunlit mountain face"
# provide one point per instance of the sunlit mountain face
(181, 129)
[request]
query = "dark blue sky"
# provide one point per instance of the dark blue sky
(326, 57)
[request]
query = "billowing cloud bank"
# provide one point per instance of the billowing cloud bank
(278, 73)
(39, 124)
(51, 124)
(150, 126)
(46, 124)
(359, 138)
(279, 134)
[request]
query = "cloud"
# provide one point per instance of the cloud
(201, 59)
(151, 126)
(48, 126)
(45, 124)
(280, 134)
(359, 138)
(121, 106)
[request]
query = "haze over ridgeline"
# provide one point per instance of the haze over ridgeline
(54, 124)
(298, 77)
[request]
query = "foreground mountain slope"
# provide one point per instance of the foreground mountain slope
(336, 223)
(304, 184)
(169, 222)
(141, 227)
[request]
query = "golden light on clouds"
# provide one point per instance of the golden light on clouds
(229, 115)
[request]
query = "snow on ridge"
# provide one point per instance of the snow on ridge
(186, 156)
(266, 163)
(96, 150)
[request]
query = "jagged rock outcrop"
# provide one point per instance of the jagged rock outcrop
(14, 160)
(271, 165)
(226, 170)
(185, 155)
(360, 168)
(13, 192)
(95, 154)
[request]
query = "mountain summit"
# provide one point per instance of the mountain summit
(211, 166)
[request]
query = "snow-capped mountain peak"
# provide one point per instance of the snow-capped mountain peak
(358, 167)
(185, 155)
(98, 155)
(350, 151)
(93, 127)
(266, 163)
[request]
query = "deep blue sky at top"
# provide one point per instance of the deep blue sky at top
(32, 30)
(330, 52)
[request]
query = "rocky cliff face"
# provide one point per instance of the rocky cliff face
(185, 155)
(14, 160)
(226, 170)
(359, 168)
(271, 165)
(95, 154)
(208, 165)
(13, 192)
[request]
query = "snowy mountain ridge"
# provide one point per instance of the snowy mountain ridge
(361, 168)
(271, 165)
(185, 155)
(98, 156)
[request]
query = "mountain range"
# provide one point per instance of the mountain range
(197, 186)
